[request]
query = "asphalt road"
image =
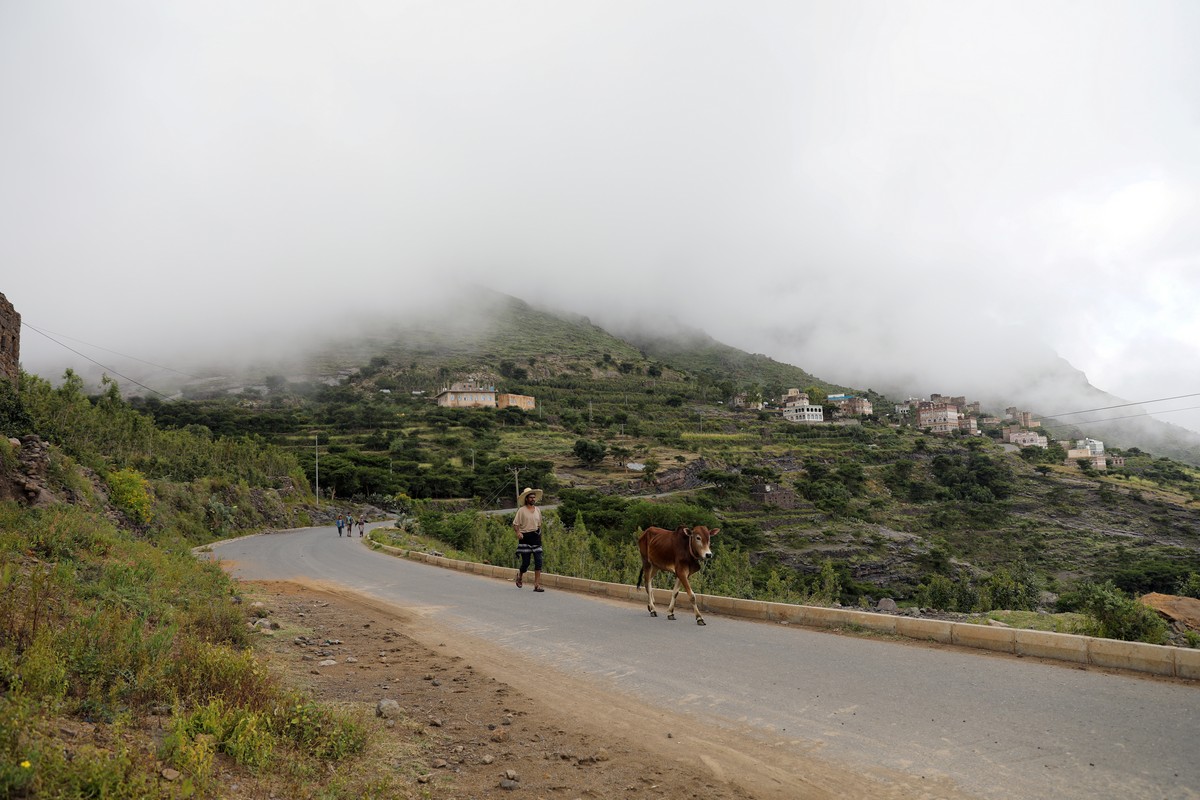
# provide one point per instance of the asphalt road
(995, 726)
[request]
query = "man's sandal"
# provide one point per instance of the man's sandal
(519, 582)
(538, 589)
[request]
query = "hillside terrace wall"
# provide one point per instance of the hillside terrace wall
(10, 340)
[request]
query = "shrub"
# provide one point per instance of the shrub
(827, 587)
(1189, 586)
(1012, 592)
(1117, 616)
(938, 592)
(202, 672)
(130, 492)
(320, 731)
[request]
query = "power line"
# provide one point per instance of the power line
(114, 352)
(94, 361)
(1126, 405)
(1127, 416)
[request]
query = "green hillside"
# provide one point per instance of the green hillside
(890, 510)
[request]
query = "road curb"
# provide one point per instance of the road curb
(1153, 659)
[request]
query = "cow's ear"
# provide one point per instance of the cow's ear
(714, 531)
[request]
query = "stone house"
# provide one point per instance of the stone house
(773, 494)
(938, 417)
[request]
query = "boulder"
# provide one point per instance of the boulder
(1184, 611)
(387, 709)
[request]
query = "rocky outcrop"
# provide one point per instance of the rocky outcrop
(1182, 612)
(25, 477)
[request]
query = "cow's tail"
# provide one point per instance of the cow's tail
(639, 580)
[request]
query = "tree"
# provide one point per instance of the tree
(650, 469)
(620, 454)
(589, 452)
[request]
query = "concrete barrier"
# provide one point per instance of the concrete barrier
(1187, 664)
(934, 630)
(983, 637)
(1045, 644)
(1135, 656)
(883, 623)
(1152, 658)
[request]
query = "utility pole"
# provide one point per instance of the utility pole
(516, 483)
(317, 455)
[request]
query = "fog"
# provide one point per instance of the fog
(910, 196)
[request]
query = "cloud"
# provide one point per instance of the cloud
(910, 194)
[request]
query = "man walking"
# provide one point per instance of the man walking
(528, 526)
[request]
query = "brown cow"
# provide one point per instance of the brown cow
(681, 552)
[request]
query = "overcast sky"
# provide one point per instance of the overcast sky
(883, 193)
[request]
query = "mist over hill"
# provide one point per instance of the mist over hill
(473, 331)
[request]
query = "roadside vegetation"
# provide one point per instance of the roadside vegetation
(105, 640)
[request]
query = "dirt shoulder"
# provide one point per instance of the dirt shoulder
(474, 721)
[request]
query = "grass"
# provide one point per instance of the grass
(1070, 622)
(99, 629)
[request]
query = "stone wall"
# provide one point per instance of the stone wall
(10, 340)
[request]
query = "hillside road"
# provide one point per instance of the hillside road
(960, 722)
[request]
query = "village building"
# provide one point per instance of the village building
(1080, 451)
(937, 417)
(849, 405)
(743, 400)
(522, 401)
(1023, 438)
(797, 408)
(467, 395)
(803, 412)
(773, 494)
(1023, 418)
(958, 402)
(856, 407)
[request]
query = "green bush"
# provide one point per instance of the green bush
(204, 672)
(1117, 616)
(938, 592)
(130, 492)
(1189, 586)
(1009, 591)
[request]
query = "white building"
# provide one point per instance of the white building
(796, 412)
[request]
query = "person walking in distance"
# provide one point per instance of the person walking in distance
(362, 523)
(341, 523)
(528, 526)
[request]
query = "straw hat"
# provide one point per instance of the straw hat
(537, 496)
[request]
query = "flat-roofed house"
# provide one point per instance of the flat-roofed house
(522, 401)
(938, 417)
(467, 395)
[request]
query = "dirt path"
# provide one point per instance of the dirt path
(474, 718)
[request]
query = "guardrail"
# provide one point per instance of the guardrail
(1174, 662)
